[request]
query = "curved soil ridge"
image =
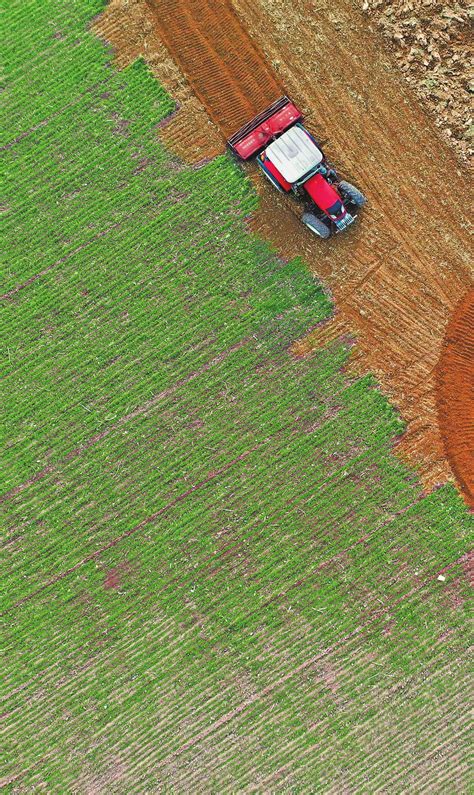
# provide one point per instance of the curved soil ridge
(456, 394)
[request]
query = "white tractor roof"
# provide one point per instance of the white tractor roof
(294, 154)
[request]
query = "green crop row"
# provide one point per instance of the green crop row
(217, 575)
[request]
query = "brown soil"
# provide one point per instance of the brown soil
(227, 72)
(397, 276)
(130, 27)
(432, 44)
(456, 394)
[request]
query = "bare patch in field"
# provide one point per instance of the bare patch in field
(115, 576)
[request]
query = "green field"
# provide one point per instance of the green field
(217, 575)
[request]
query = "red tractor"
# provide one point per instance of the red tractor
(293, 161)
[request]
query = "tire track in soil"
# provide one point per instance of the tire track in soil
(225, 69)
(456, 394)
(397, 275)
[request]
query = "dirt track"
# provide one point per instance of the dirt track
(225, 69)
(398, 276)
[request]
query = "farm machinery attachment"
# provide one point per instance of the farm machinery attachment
(293, 161)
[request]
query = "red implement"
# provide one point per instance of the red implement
(256, 134)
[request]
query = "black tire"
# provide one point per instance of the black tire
(316, 225)
(352, 193)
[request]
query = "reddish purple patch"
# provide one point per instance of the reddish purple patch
(112, 579)
(468, 567)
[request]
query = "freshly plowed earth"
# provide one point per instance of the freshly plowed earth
(456, 394)
(130, 27)
(399, 273)
(227, 72)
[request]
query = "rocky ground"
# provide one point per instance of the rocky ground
(431, 41)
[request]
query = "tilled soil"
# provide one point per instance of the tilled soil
(130, 27)
(397, 275)
(432, 44)
(456, 393)
(227, 72)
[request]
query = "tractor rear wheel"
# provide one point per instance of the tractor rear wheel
(352, 193)
(316, 225)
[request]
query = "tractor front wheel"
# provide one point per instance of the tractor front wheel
(352, 193)
(316, 225)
